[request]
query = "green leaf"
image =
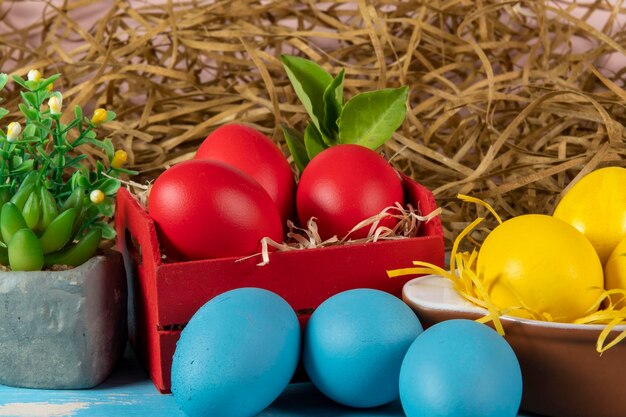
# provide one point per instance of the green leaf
(369, 119)
(74, 180)
(99, 143)
(44, 83)
(75, 162)
(106, 209)
(82, 181)
(30, 130)
(45, 127)
(24, 167)
(108, 148)
(125, 171)
(333, 104)
(108, 232)
(28, 139)
(3, 80)
(70, 126)
(3, 112)
(110, 186)
(53, 77)
(29, 112)
(42, 153)
(29, 98)
(313, 141)
(110, 116)
(309, 81)
(78, 113)
(20, 81)
(31, 85)
(59, 159)
(295, 143)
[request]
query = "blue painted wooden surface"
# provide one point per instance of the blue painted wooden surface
(130, 393)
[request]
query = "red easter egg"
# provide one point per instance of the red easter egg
(207, 209)
(255, 154)
(344, 185)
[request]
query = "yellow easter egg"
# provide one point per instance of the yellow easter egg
(542, 264)
(615, 270)
(596, 206)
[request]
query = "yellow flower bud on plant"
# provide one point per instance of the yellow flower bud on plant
(13, 131)
(96, 196)
(99, 116)
(55, 103)
(49, 87)
(119, 159)
(34, 75)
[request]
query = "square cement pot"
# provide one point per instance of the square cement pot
(63, 329)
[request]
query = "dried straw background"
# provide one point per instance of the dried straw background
(503, 105)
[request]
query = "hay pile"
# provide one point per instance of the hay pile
(510, 100)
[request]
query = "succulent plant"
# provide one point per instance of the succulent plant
(54, 207)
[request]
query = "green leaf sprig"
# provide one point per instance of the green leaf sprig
(368, 119)
(53, 208)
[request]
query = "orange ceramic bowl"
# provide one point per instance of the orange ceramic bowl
(563, 374)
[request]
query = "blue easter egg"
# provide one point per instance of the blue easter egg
(460, 368)
(236, 355)
(354, 345)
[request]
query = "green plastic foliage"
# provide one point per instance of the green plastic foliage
(46, 215)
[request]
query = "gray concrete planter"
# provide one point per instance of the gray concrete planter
(63, 329)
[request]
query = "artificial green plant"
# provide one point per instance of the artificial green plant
(54, 208)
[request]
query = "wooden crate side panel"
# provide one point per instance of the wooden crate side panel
(304, 278)
(139, 246)
(167, 342)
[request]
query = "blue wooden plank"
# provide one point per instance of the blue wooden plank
(130, 393)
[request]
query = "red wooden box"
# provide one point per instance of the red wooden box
(163, 296)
